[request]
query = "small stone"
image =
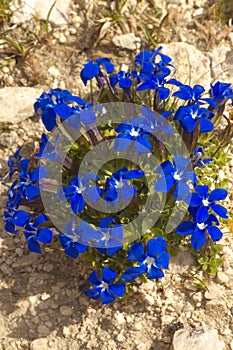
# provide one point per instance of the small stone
(66, 310)
(42, 329)
(54, 72)
(231, 345)
(25, 261)
(45, 296)
(197, 297)
(214, 291)
(39, 344)
(120, 338)
(17, 103)
(19, 251)
(198, 339)
(149, 299)
(120, 318)
(6, 269)
(3, 330)
(222, 277)
(167, 319)
(127, 41)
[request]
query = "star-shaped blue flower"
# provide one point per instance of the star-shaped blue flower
(77, 190)
(47, 149)
(129, 131)
(202, 200)
(117, 185)
(34, 234)
(92, 68)
(14, 162)
(150, 262)
(15, 218)
(197, 160)
(104, 287)
(178, 173)
(200, 229)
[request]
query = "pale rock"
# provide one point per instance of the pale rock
(120, 318)
(53, 71)
(39, 344)
(167, 319)
(42, 329)
(222, 277)
(231, 345)
(120, 338)
(66, 310)
(214, 291)
(149, 299)
(181, 263)
(189, 63)
(25, 261)
(127, 41)
(6, 269)
(3, 330)
(17, 103)
(221, 62)
(198, 339)
(40, 9)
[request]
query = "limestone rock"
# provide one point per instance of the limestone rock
(17, 103)
(127, 41)
(198, 339)
(40, 9)
(192, 66)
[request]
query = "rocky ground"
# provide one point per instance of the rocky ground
(41, 302)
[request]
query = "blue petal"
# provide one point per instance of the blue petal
(128, 191)
(156, 246)
(33, 245)
(121, 142)
(164, 184)
(20, 218)
(94, 193)
(40, 220)
(154, 272)
(113, 250)
(165, 168)
(215, 233)
(142, 145)
(136, 252)
(185, 228)
(71, 251)
(24, 164)
(117, 289)
(148, 85)
(39, 173)
(87, 116)
(202, 190)
(31, 191)
(111, 195)
(49, 119)
(92, 293)
(133, 272)
(217, 194)
(108, 274)
(133, 174)
(44, 235)
(206, 125)
(195, 200)
(107, 297)
(163, 93)
(163, 260)
(63, 110)
(93, 278)
(182, 190)
(198, 239)
(220, 210)
(202, 214)
(181, 162)
(77, 204)
(188, 124)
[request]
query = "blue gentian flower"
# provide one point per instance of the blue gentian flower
(188, 117)
(55, 103)
(47, 150)
(34, 235)
(202, 200)
(14, 195)
(221, 92)
(15, 218)
(117, 185)
(109, 236)
(77, 189)
(27, 179)
(92, 68)
(146, 60)
(122, 78)
(13, 162)
(150, 262)
(178, 173)
(104, 287)
(130, 130)
(199, 230)
(156, 122)
(197, 160)
(74, 234)
(193, 95)
(156, 82)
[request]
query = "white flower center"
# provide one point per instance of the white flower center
(80, 189)
(134, 133)
(177, 176)
(119, 184)
(104, 285)
(205, 202)
(106, 236)
(149, 261)
(194, 115)
(201, 226)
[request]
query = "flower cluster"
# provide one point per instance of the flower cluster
(111, 239)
